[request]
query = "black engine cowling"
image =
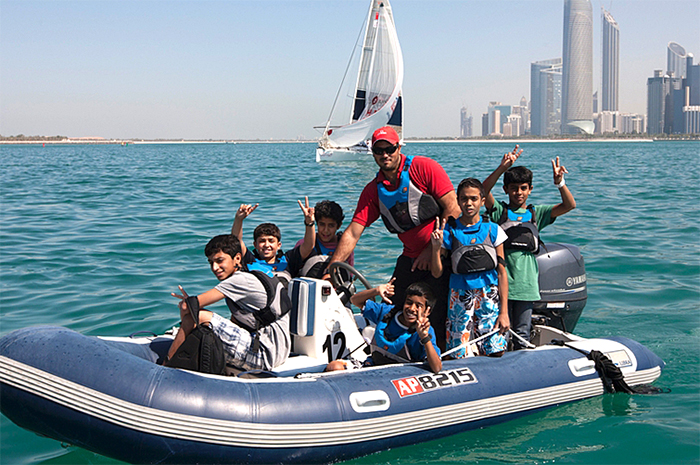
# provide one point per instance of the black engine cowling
(563, 289)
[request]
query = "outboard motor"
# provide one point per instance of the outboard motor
(563, 290)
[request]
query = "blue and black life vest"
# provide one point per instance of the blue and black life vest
(385, 351)
(278, 269)
(479, 254)
(521, 229)
(407, 206)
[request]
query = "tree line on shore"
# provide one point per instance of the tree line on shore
(22, 137)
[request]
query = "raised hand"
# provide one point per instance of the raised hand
(422, 324)
(386, 290)
(308, 211)
(558, 171)
(182, 296)
(510, 157)
(245, 210)
(438, 233)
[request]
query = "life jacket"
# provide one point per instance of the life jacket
(385, 351)
(476, 256)
(316, 263)
(521, 229)
(278, 303)
(278, 269)
(407, 206)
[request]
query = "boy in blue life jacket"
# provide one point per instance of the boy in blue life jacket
(522, 223)
(267, 255)
(402, 335)
(478, 302)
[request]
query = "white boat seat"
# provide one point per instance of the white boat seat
(321, 326)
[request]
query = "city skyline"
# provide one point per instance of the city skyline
(231, 70)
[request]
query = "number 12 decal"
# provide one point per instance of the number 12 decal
(338, 338)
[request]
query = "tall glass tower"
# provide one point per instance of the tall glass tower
(676, 60)
(577, 68)
(545, 97)
(611, 63)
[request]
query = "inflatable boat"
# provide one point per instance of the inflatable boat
(109, 394)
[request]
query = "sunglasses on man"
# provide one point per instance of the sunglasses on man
(382, 150)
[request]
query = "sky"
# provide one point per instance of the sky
(264, 69)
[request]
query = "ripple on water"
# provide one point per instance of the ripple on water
(96, 237)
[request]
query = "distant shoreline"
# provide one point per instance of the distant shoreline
(127, 142)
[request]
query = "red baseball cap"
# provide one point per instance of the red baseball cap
(386, 133)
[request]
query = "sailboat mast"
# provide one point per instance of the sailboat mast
(359, 95)
(347, 68)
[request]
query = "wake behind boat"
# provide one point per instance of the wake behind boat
(109, 395)
(377, 92)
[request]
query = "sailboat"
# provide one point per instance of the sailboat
(377, 92)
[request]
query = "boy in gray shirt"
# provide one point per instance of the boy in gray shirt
(257, 334)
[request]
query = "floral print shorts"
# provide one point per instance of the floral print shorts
(472, 313)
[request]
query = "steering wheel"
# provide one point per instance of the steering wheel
(346, 287)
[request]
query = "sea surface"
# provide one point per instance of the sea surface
(96, 237)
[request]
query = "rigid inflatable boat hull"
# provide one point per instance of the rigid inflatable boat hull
(90, 392)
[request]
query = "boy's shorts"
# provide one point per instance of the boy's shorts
(238, 344)
(471, 314)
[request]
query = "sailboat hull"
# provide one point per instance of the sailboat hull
(343, 154)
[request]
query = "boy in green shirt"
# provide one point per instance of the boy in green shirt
(522, 223)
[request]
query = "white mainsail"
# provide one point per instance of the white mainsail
(377, 94)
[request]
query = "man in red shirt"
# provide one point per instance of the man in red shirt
(408, 201)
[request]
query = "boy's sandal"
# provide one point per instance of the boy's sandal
(193, 305)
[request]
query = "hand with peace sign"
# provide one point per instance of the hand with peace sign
(510, 157)
(436, 238)
(237, 229)
(182, 296)
(426, 340)
(422, 324)
(309, 231)
(558, 171)
(567, 198)
(244, 211)
(438, 233)
(308, 212)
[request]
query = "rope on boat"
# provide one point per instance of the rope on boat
(525, 342)
(466, 344)
(611, 375)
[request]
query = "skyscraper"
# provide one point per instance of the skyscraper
(465, 126)
(545, 97)
(524, 113)
(611, 63)
(663, 94)
(577, 68)
(675, 60)
(692, 81)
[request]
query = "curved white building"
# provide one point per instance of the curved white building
(577, 68)
(675, 60)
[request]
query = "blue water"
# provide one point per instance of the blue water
(96, 237)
